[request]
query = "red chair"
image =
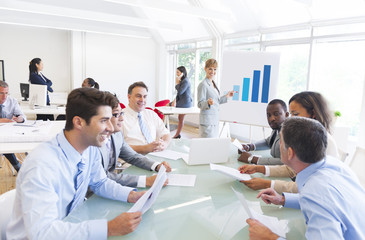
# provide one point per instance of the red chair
(149, 108)
(122, 105)
(161, 103)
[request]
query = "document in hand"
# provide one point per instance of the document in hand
(146, 201)
(230, 172)
(237, 144)
(279, 227)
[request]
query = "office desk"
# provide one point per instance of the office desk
(21, 147)
(175, 111)
(53, 109)
(210, 210)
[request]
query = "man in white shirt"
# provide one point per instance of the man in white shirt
(10, 112)
(143, 130)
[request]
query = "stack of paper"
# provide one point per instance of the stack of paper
(169, 154)
(147, 200)
(278, 227)
(230, 172)
(26, 132)
(185, 180)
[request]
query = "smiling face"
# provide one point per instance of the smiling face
(275, 115)
(117, 121)
(99, 127)
(211, 72)
(297, 110)
(137, 99)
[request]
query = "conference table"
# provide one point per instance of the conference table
(54, 110)
(209, 210)
(168, 111)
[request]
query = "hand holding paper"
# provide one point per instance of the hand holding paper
(230, 172)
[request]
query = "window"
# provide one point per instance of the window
(338, 72)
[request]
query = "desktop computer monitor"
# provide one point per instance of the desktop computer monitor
(38, 94)
(24, 91)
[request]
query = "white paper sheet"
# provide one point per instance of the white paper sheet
(169, 154)
(230, 172)
(279, 227)
(237, 144)
(147, 200)
(29, 131)
(185, 180)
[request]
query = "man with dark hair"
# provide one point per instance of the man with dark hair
(330, 195)
(115, 147)
(143, 130)
(10, 112)
(276, 113)
(56, 175)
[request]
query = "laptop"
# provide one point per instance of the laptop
(208, 150)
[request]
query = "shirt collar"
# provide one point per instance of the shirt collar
(132, 112)
(208, 81)
(302, 176)
(68, 150)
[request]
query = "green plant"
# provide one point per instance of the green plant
(337, 114)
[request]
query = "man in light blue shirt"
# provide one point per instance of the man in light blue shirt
(56, 175)
(330, 195)
(10, 112)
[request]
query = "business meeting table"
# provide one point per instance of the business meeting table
(168, 111)
(209, 210)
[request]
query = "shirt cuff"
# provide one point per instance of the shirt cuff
(141, 182)
(291, 200)
(98, 229)
(267, 171)
(153, 167)
(272, 184)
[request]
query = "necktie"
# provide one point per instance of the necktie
(80, 193)
(273, 138)
(144, 129)
(110, 152)
(2, 115)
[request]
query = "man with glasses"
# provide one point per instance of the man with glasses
(115, 147)
(10, 112)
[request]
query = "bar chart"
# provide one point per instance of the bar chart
(254, 85)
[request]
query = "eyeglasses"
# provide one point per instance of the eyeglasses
(117, 115)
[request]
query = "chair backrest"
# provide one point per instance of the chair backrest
(149, 108)
(357, 164)
(158, 113)
(162, 103)
(342, 155)
(6, 209)
(122, 105)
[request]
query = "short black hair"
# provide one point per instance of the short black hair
(137, 84)
(279, 101)
(84, 102)
(307, 137)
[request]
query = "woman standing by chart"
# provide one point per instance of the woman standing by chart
(209, 101)
(183, 96)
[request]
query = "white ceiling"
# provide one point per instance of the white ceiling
(174, 20)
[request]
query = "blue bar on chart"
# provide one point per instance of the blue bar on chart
(266, 84)
(236, 95)
(255, 86)
(245, 89)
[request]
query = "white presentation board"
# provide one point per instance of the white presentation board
(254, 77)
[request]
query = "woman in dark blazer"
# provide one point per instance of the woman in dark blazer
(209, 101)
(36, 77)
(183, 96)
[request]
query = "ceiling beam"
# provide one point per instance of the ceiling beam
(177, 8)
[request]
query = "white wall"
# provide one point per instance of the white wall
(19, 45)
(116, 62)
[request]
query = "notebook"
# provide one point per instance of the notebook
(208, 150)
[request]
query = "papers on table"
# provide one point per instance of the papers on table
(185, 180)
(146, 201)
(279, 227)
(237, 144)
(29, 131)
(230, 172)
(169, 154)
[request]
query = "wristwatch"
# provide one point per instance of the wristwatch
(249, 159)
